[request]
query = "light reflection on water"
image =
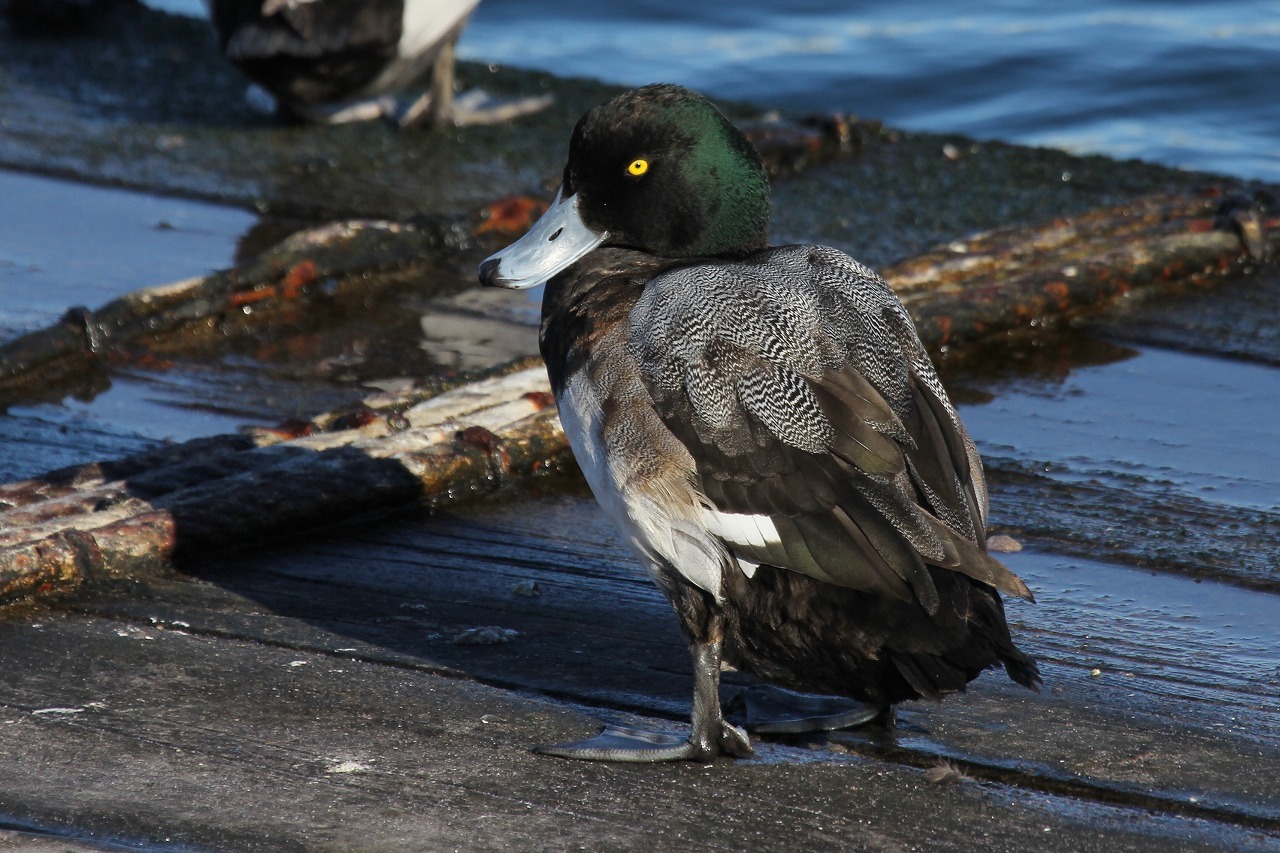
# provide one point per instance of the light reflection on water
(1204, 426)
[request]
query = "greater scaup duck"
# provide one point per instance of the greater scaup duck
(342, 60)
(762, 424)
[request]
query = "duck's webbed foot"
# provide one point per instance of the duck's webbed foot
(473, 107)
(365, 109)
(616, 743)
(772, 710)
(710, 737)
(439, 107)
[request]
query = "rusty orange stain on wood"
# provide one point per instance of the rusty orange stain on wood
(292, 428)
(359, 417)
(510, 215)
(1026, 311)
(298, 277)
(249, 297)
(540, 399)
(1059, 291)
(488, 443)
(944, 324)
(479, 437)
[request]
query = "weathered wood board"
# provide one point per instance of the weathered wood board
(317, 697)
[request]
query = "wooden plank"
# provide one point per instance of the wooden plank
(169, 735)
(60, 529)
(1179, 703)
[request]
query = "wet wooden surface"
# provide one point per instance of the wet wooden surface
(377, 685)
(331, 695)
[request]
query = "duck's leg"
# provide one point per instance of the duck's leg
(434, 106)
(439, 107)
(711, 734)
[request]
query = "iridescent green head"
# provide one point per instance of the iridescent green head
(658, 169)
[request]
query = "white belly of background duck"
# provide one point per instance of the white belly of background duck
(762, 424)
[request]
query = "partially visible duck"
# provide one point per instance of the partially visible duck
(343, 60)
(764, 427)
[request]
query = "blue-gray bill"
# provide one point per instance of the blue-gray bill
(555, 241)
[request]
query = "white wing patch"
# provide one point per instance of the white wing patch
(756, 532)
(752, 539)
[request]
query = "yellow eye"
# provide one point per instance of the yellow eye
(638, 167)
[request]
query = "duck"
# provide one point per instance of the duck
(765, 429)
(337, 61)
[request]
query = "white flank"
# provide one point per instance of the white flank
(657, 530)
(426, 22)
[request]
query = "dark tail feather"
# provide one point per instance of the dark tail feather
(1021, 668)
(987, 619)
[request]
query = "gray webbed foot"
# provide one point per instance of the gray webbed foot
(473, 107)
(616, 743)
(772, 710)
(710, 734)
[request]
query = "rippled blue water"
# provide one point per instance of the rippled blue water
(1191, 84)
(1180, 82)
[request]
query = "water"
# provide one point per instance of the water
(79, 245)
(1184, 639)
(1201, 426)
(76, 244)
(1186, 84)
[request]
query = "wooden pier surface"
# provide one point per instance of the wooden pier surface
(380, 688)
(376, 684)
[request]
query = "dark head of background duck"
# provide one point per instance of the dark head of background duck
(699, 189)
(705, 193)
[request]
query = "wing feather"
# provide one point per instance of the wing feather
(805, 398)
